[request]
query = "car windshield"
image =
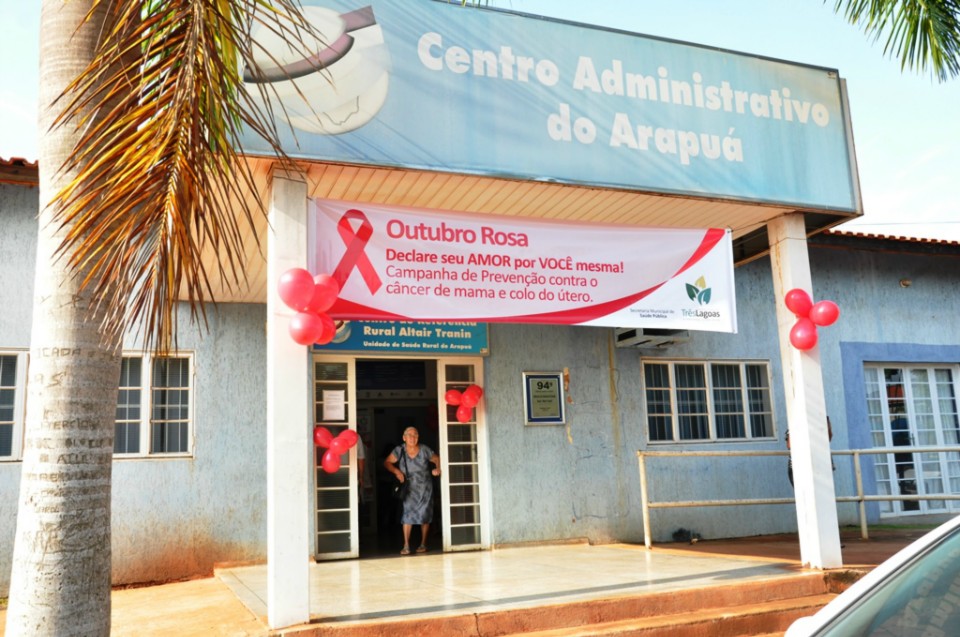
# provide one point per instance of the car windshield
(922, 598)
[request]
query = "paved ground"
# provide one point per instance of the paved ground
(185, 609)
(231, 604)
(857, 553)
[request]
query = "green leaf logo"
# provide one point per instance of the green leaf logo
(699, 291)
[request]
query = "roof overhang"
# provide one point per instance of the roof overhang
(513, 198)
(485, 195)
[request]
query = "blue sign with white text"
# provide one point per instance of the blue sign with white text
(437, 86)
(410, 337)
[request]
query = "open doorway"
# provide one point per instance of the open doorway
(393, 394)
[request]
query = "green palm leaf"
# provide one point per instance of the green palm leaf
(159, 179)
(920, 33)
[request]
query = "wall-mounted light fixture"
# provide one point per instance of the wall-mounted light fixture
(905, 283)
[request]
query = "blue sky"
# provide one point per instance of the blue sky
(905, 125)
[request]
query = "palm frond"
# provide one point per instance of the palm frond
(921, 33)
(159, 178)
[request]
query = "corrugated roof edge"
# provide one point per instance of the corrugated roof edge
(889, 237)
(18, 161)
(17, 170)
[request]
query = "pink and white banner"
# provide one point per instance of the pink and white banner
(407, 264)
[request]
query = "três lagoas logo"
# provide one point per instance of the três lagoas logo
(700, 293)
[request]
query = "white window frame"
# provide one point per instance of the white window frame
(146, 407)
(19, 404)
(711, 412)
(885, 466)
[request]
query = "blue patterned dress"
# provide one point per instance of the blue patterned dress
(418, 505)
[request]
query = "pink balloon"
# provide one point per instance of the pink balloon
(322, 437)
(803, 336)
(339, 446)
(469, 399)
(798, 302)
(296, 288)
(452, 397)
(328, 329)
(349, 436)
(824, 313)
(464, 413)
(325, 291)
(305, 328)
(330, 461)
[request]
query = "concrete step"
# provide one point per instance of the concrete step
(767, 618)
(726, 610)
(680, 603)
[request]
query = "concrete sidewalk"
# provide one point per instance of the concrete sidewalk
(465, 584)
(193, 608)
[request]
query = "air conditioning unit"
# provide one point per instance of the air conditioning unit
(649, 337)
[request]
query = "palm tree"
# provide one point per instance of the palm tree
(140, 108)
(62, 547)
(922, 33)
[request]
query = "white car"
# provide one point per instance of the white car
(914, 593)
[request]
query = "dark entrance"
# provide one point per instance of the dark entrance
(392, 395)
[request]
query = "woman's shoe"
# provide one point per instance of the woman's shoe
(422, 549)
(405, 551)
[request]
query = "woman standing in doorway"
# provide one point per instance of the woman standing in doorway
(410, 462)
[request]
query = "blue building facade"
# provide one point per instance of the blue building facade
(181, 507)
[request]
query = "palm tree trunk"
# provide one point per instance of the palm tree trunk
(60, 581)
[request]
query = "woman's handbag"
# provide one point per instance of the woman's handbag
(399, 490)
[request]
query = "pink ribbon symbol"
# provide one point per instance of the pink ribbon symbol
(354, 255)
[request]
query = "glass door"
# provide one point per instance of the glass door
(914, 406)
(334, 407)
(463, 459)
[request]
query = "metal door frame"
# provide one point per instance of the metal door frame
(351, 403)
(483, 464)
(351, 466)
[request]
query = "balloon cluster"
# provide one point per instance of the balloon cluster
(335, 446)
(310, 296)
(464, 401)
(809, 315)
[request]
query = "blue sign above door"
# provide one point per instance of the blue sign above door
(410, 337)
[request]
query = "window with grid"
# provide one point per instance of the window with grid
(153, 406)
(914, 406)
(707, 400)
(126, 436)
(12, 387)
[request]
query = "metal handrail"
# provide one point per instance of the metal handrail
(860, 497)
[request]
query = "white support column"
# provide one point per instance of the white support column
(288, 449)
(806, 409)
